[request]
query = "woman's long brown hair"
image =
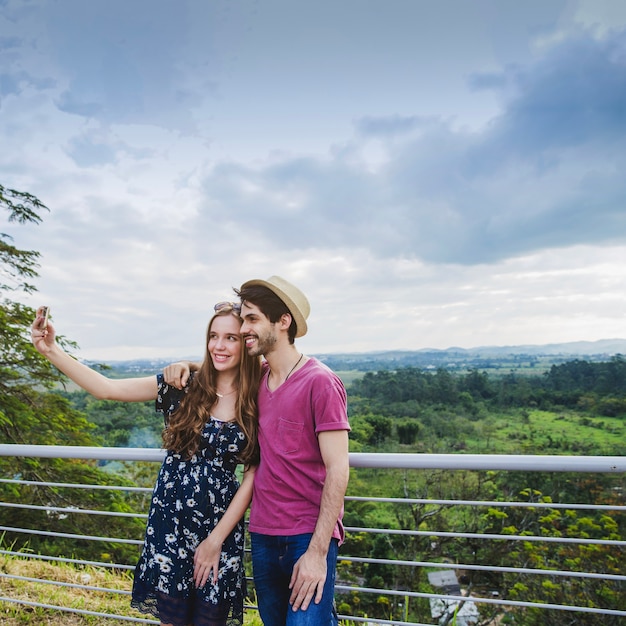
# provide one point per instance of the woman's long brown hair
(186, 424)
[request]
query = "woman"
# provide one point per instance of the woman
(191, 567)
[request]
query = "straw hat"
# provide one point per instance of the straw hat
(295, 300)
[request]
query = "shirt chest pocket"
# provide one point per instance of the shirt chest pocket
(289, 435)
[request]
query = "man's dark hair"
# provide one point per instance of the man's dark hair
(269, 304)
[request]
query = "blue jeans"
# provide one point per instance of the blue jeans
(273, 559)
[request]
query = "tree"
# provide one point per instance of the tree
(408, 431)
(31, 414)
(19, 264)
(382, 428)
(19, 361)
(603, 593)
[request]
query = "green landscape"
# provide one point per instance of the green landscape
(534, 402)
(573, 408)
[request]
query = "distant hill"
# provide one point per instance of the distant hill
(600, 347)
(525, 357)
(484, 357)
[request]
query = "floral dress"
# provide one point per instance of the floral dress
(189, 499)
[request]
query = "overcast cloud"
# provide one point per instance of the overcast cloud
(431, 174)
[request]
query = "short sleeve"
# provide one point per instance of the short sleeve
(168, 398)
(330, 411)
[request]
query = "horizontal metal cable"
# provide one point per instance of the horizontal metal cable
(31, 531)
(60, 559)
(380, 621)
(65, 609)
(386, 500)
(484, 568)
(531, 463)
(492, 503)
(41, 483)
(382, 592)
(68, 510)
(433, 533)
(58, 583)
(360, 499)
(139, 620)
(481, 600)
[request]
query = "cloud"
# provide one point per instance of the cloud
(575, 94)
(109, 60)
(86, 153)
(546, 172)
(456, 184)
(389, 126)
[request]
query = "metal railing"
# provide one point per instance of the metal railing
(431, 582)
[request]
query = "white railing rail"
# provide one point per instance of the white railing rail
(472, 462)
(483, 462)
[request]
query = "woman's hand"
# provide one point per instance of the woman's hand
(42, 338)
(206, 562)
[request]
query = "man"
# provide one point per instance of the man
(299, 486)
(297, 504)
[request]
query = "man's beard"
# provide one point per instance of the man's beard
(264, 344)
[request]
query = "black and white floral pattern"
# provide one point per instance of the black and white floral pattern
(189, 499)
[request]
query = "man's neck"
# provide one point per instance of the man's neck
(283, 362)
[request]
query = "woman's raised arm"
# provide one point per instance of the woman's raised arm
(124, 389)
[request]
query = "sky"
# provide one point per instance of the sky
(431, 174)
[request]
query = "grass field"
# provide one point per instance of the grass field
(560, 432)
(14, 614)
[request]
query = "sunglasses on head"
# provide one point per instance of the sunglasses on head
(228, 306)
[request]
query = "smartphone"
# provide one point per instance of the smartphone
(46, 315)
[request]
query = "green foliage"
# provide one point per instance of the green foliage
(566, 385)
(120, 424)
(27, 416)
(30, 415)
(467, 519)
(438, 411)
(408, 431)
(18, 265)
(588, 592)
(572, 409)
(99, 599)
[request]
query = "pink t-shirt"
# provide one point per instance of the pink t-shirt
(289, 480)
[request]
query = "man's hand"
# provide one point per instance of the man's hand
(177, 374)
(307, 580)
